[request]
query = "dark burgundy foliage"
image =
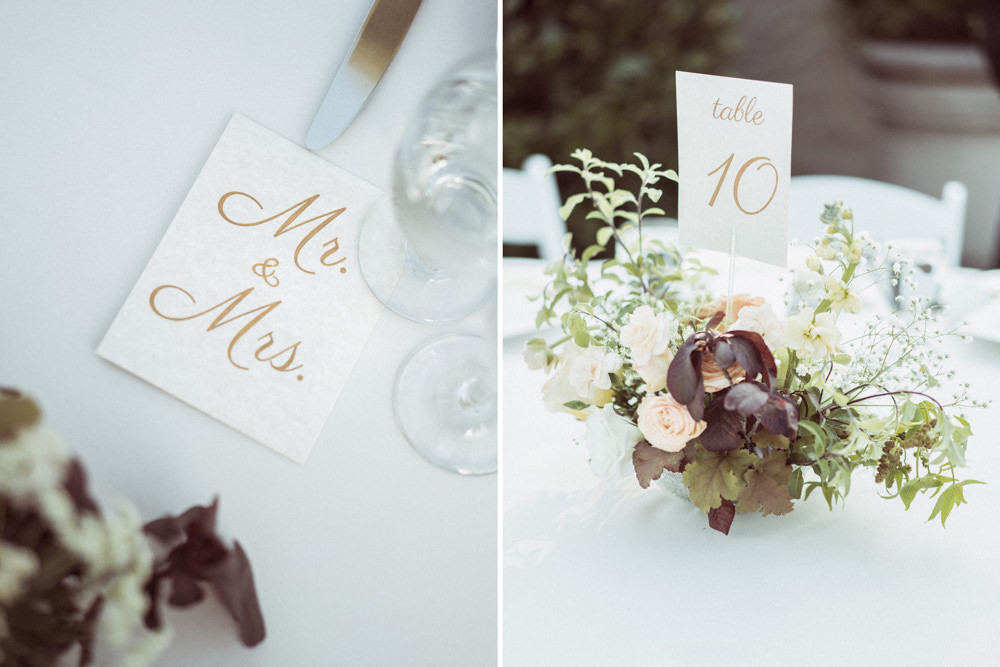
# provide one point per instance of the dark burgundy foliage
(775, 411)
(735, 412)
(650, 462)
(195, 556)
(721, 517)
(724, 428)
(43, 625)
(75, 483)
(684, 378)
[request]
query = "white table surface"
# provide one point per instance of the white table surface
(365, 555)
(599, 574)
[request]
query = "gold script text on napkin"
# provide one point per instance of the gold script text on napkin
(292, 223)
(744, 111)
(281, 360)
(174, 303)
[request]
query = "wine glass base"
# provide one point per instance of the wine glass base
(400, 280)
(445, 400)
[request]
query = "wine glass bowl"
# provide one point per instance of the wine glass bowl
(429, 252)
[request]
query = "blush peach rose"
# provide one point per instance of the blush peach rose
(705, 311)
(667, 424)
(714, 378)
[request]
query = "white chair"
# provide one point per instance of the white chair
(531, 208)
(890, 213)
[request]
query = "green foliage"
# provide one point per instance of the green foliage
(799, 409)
(602, 71)
(654, 274)
(714, 476)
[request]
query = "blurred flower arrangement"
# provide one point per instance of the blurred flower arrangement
(78, 583)
(739, 407)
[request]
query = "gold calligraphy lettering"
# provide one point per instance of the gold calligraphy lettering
(291, 350)
(226, 315)
(290, 224)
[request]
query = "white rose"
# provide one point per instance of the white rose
(590, 372)
(646, 335)
(610, 440)
(654, 372)
(762, 320)
(667, 424)
(575, 380)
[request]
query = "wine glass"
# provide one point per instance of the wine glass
(429, 253)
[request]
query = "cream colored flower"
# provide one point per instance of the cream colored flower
(854, 251)
(19, 566)
(654, 372)
(590, 372)
(826, 251)
(763, 320)
(740, 301)
(840, 296)
(578, 379)
(812, 337)
(667, 424)
(646, 335)
(610, 440)
(32, 463)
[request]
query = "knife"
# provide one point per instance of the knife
(370, 55)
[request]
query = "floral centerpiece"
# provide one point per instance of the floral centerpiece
(743, 405)
(78, 583)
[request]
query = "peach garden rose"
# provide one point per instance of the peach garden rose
(666, 424)
(714, 378)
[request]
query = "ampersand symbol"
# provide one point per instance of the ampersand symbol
(266, 271)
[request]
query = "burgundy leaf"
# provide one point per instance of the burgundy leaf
(723, 430)
(233, 582)
(769, 369)
(716, 319)
(153, 620)
(197, 554)
(746, 398)
(721, 518)
(684, 378)
(185, 590)
(780, 416)
(746, 356)
(170, 530)
(649, 462)
(725, 356)
(75, 484)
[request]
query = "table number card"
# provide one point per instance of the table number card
(253, 308)
(734, 144)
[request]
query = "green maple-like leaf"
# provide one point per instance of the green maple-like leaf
(767, 486)
(713, 476)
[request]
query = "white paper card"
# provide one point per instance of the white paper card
(734, 145)
(253, 308)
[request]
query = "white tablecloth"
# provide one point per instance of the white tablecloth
(365, 555)
(598, 574)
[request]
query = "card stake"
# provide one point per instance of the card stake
(734, 145)
(253, 308)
